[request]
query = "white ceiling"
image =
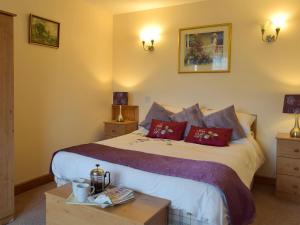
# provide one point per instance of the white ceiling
(126, 6)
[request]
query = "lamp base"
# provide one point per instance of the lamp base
(120, 116)
(295, 132)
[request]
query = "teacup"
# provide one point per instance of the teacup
(78, 181)
(82, 191)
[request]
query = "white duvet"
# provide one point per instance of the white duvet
(205, 202)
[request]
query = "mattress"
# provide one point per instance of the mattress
(192, 202)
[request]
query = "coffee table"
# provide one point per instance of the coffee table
(143, 210)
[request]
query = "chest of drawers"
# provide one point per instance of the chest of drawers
(288, 167)
(114, 129)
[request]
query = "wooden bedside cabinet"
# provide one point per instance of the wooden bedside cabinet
(114, 129)
(131, 116)
(288, 167)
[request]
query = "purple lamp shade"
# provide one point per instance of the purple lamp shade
(291, 104)
(120, 98)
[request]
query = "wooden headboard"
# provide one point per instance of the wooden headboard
(254, 126)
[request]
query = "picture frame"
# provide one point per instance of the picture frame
(205, 49)
(44, 32)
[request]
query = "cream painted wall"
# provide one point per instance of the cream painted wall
(261, 73)
(62, 96)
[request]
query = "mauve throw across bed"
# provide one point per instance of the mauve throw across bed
(238, 197)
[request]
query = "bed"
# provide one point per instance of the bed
(192, 202)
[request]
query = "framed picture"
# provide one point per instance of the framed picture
(43, 31)
(205, 49)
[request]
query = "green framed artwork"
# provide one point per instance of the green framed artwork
(43, 31)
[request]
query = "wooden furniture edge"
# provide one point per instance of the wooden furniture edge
(120, 123)
(36, 182)
(126, 106)
(286, 136)
(7, 13)
(271, 181)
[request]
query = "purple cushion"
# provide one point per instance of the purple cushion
(192, 115)
(225, 118)
(156, 112)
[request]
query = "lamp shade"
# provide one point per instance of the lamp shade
(120, 98)
(291, 104)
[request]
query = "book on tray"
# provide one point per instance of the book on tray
(110, 197)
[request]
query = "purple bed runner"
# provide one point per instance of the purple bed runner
(239, 199)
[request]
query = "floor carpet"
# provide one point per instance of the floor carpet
(30, 207)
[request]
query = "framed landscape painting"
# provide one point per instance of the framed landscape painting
(43, 31)
(205, 49)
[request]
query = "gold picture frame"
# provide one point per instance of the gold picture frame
(43, 31)
(205, 49)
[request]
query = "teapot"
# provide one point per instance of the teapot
(98, 178)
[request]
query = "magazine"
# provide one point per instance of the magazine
(110, 197)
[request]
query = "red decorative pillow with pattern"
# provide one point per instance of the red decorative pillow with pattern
(209, 136)
(167, 130)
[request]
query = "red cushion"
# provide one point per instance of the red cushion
(209, 136)
(167, 130)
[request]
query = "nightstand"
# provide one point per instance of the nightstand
(288, 167)
(131, 116)
(114, 129)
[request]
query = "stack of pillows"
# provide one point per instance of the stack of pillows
(216, 129)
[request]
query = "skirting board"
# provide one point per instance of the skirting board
(28, 185)
(7, 220)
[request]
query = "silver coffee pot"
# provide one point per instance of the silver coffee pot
(98, 179)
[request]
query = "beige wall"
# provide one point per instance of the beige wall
(62, 95)
(261, 73)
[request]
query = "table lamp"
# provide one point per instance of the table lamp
(120, 98)
(292, 105)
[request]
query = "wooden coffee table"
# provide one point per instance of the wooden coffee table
(143, 210)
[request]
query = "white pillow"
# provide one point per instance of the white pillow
(172, 108)
(246, 120)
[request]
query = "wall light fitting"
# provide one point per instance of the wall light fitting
(148, 47)
(270, 30)
(150, 35)
(269, 38)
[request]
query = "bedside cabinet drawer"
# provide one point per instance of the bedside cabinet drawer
(289, 148)
(288, 184)
(131, 127)
(114, 130)
(288, 166)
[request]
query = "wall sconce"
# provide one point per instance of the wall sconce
(270, 30)
(149, 36)
(269, 38)
(148, 47)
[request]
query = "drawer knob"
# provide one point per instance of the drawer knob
(296, 150)
(295, 186)
(296, 168)
(113, 131)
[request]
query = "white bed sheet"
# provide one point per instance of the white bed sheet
(205, 202)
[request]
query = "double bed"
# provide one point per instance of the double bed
(192, 202)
